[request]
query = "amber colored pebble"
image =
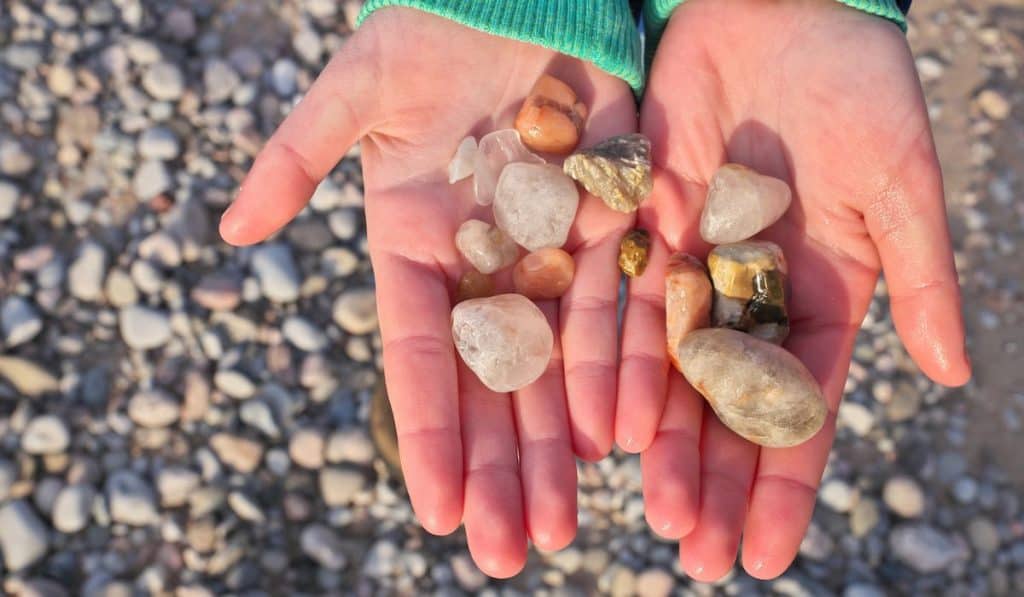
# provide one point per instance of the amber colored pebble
(551, 119)
(688, 296)
(474, 285)
(544, 274)
(633, 252)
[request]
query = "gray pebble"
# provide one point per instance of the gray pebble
(45, 434)
(234, 383)
(303, 334)
(73, 508)
(23, 537)
(322, 546)
(9, 195)
(258, 415)
(143, 328)
(158, 143)
(151, 179)
(8, 476)
(467, 575)
(923, 548)
(282, 77)
(19, 320)
(838, 495)
(220, 81)
(163, 81)
(85, 276)
(275, 269)
(983, 534)
(130, 499)
(355, 311)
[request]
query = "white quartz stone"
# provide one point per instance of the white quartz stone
(461, 165)
(497, 150)
(486, 247)
(505, 340)
(536, 205)
(741, 203)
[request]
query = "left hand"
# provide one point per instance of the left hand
(827, 99)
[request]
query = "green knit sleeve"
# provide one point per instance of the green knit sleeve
(602, 32)
(657, 13)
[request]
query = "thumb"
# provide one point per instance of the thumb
(320, 130)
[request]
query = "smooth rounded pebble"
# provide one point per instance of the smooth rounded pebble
(536, 205)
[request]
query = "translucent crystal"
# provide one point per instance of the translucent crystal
(617, 170)
(544, 274)
(741, 203)
(463, 161)
(486, 247)
(687, 300)
(757, 389)
(497, 150)
(505, 340)
(536, 205)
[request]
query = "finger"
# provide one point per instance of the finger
(643, 368)
(589, 325)
(670, 467)
(727, 469)
(495, 530)
(547, 466)
(308, 144)
(786, 484)
(420, 371)
(908, 225)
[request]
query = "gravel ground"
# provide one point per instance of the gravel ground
(170, 422)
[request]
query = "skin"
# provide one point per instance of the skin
(411, 86)
(827, 99)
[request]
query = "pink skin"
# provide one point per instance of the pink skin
(411, 86)
(826, 98)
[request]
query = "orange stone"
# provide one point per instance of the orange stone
(474, 285)
(544, 274)
(551, 119)
(688, 295)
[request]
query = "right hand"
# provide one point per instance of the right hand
(412, 86)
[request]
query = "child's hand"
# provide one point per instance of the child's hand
(826, 98)
(412, 86)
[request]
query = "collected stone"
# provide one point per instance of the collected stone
(617, 170)
(485, 247)
(750, 289)
(536, 205)
(552, 117)
(634, 252)
(73, 508)
(143, 328)
(544, 274)
(473, 285)
(505, 340)
(462, 163)
(130, 499)
(687, 300)
(757, 389)
(153, 408)
(19, 321)
(497, 150)
(23, 537)
(741, 203)
(45, 434)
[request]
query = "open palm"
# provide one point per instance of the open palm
(412, 86)
(827, 99)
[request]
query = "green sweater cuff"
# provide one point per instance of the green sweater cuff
(657, 13)
(602, 32)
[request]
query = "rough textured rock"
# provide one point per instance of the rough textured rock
(544, 274)
(757, 389)
(497, 150)
(462, 162)
(552, 117)
(750, 289)
(687, 300)
(617, 170)
(504, 339)
(485, 247)
(741, 203)
(634, 251)
(536, 205)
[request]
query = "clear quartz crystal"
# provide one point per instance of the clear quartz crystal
(485, 247)
(741, 203)
(505, 340)
(497, 150)
(463, 161)
(536, 205)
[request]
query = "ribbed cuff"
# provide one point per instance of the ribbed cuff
(602, 32)
(657, 13)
